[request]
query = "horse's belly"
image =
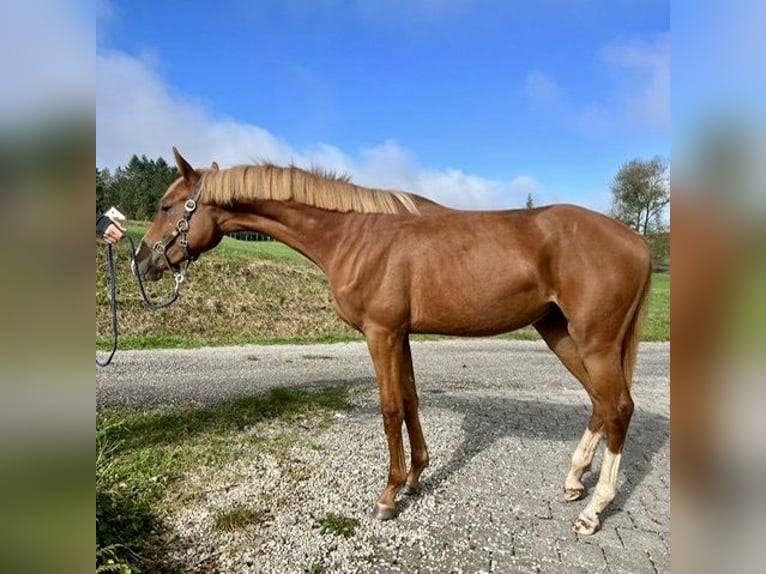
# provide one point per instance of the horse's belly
(476, 314)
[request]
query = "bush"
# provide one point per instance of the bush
(659, 243)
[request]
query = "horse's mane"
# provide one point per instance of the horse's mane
(316, 187)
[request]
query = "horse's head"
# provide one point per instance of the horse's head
(183, 227)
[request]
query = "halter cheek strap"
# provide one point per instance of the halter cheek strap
(181, 230)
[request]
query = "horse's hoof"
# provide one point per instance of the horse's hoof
(584, 526)
(381, 512)
(408, 490)
(572, 494)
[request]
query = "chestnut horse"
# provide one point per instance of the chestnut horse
(399, 264)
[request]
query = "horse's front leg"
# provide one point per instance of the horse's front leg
(386, 350)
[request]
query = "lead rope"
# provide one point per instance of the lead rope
(154, 306)
(113, 302)
(177, 277)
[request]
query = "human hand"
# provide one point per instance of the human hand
(114, 232)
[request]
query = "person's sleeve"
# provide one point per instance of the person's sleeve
(102, 222)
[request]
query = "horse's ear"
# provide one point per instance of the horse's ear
(186, 171)
(214, 166)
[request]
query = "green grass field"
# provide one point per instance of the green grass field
(657, 322)
(237, 250)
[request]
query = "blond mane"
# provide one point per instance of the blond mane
(317, 188)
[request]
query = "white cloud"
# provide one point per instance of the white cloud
(136, 113)
(639, 98)
(389, 166)
(468, 191)
(645, 90)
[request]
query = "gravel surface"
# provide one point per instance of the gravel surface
(501, 419)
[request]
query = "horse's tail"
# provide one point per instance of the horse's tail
(633, 333)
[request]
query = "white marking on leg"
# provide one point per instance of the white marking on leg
(605, 491)
(581, 460)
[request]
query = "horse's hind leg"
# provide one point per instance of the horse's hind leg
(612, 402)
(582, 457)
(418, 449)
(553, 329)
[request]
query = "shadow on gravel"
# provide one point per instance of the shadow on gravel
(486, 420)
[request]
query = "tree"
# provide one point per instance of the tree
(103, 183)
(136, 188)
(530, 204)
(640, 194)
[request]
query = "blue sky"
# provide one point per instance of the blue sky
(472, 103)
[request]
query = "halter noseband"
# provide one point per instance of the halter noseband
(181, 230)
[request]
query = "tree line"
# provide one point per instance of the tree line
(640, 195)
(136, 188)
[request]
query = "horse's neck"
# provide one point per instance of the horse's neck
(311, 231)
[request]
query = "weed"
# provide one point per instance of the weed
(278, 445)
(107, 560)
(237, 517)
(338, 525)
(298, 474)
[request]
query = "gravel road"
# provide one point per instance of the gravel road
(501, 419)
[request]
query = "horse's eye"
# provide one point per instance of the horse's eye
(165, 207)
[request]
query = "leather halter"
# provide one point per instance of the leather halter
(180, 231)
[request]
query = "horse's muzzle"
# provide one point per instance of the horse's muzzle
(146, 264)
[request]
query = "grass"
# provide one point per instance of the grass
(238, 250)
(657, 323)
(337, 524)
(142, 458)
(238, 517)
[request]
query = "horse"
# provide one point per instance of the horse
(399, 264)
